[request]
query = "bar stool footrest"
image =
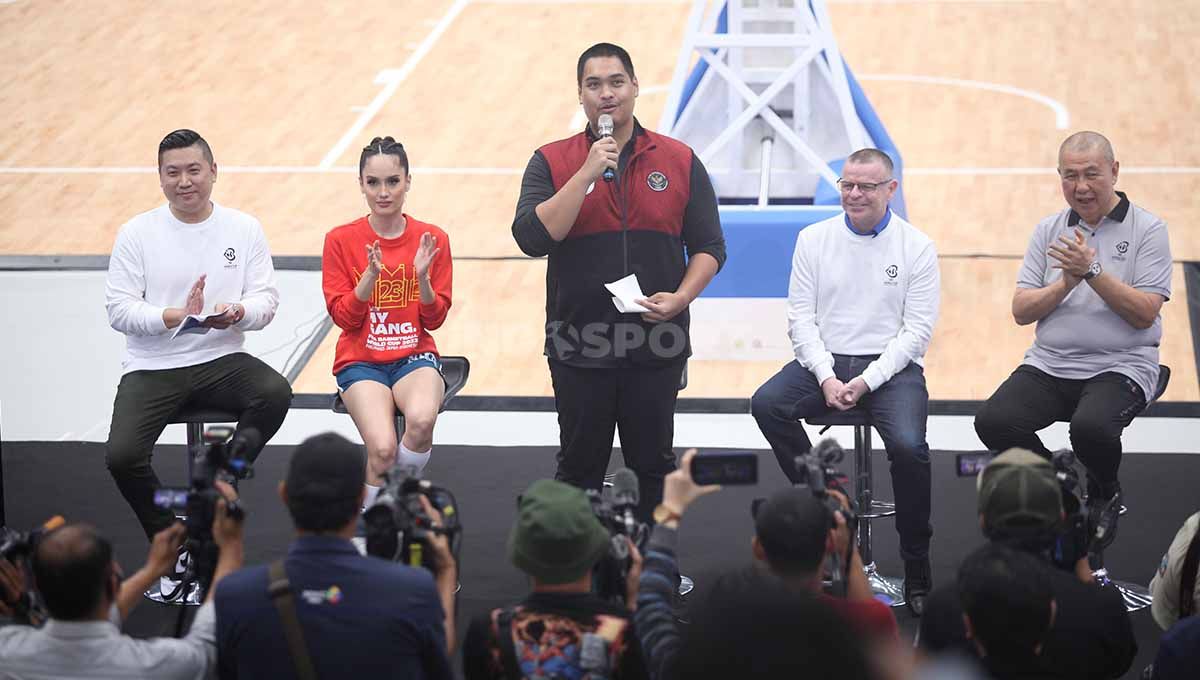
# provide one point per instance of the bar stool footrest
(879, 509)
(887, 589)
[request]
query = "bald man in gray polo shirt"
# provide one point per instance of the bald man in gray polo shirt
(1094, 279)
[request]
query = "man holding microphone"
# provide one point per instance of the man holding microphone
(656, 219)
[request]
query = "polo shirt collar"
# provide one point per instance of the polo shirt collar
(1117, 214)
(307, 545)
(876, 230)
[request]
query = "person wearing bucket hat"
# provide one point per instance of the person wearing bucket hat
(556, 540)
(347, 608)
(1021, 506)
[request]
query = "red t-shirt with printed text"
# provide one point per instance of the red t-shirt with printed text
(393, 324)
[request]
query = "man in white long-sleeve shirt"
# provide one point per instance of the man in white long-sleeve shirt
(862, 303)
(190, 256)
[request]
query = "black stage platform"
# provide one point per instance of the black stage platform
(46, 478)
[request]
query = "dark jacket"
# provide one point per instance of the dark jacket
(1091, 638)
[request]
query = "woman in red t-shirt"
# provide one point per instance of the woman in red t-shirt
(387, 280)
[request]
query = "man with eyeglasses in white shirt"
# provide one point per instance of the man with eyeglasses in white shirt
(862, 302)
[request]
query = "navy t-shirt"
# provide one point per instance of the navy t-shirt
(360, 615)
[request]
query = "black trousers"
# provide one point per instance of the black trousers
(639, 401)
(1098, 408)
(900, 409)
(146, 400)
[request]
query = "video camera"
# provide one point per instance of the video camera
(221, 456)
(817, 470)
(16, 547)
(1074, 538)
(614, 507)
(397, 526)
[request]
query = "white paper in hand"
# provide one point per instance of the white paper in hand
(193, 324)
(625, 291)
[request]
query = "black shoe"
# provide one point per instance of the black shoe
(1103, 512)
(918, 581)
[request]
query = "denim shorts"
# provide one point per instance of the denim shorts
(388, 374)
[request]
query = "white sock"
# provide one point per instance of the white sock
(372, 492)
(412, 459)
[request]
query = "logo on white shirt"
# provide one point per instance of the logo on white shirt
(230, 257)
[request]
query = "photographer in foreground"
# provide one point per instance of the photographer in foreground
(795, 535)
(332, 609)
(563, 629)
(1021, 507)
(81, 586)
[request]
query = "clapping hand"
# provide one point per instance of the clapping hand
(1074, 256)
(425, 254)
(374, 259)
(195, 298)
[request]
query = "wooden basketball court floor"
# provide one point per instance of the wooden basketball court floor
(977, 94)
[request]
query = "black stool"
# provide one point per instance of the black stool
(1136, 596)
(888, 590)
(455, 371)
(194, 419)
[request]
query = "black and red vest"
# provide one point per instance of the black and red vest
(632, 225)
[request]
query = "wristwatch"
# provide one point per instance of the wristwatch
(663, 514)
(1093, 271)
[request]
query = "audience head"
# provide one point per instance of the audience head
(556, 538)
(792, 532)
(754, 626)
(1020, 500)
(1008, 603)
(324, 489)
(74, 572)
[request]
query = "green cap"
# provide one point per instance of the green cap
(1018, 489)
(556, 538)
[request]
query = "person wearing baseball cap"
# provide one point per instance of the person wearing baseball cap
(1020, 505)
(557, 540)
(347, 608)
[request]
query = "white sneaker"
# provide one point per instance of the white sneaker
(170, 582)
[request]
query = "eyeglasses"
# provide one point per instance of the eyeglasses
(865, 187)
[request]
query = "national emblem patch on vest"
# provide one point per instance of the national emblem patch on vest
(657, 181)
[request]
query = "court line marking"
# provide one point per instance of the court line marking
(391, 79)
(418, 170)
(1062, 119)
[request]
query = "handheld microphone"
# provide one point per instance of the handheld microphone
(625, 496)
(605, 127)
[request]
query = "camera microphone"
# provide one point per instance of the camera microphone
(828, 450)
(625, 496)
(16, 545)
(604, 127)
